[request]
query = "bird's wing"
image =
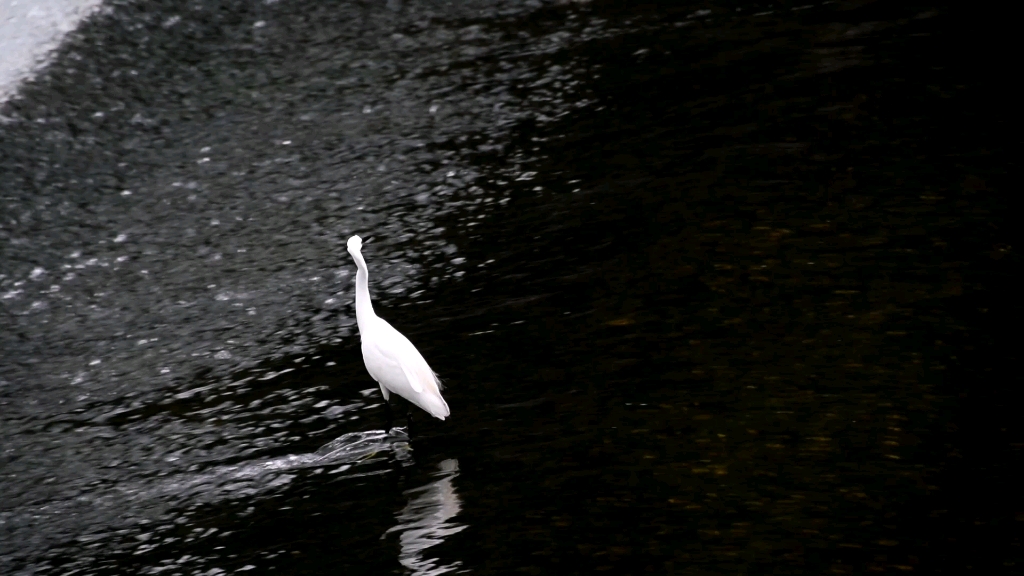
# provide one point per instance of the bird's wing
(417, 371)
(411, 376)
(397, 349)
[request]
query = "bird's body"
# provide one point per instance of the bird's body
(390, 358)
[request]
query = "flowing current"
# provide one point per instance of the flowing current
(714, 288)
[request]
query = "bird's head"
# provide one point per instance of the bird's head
(355, 244)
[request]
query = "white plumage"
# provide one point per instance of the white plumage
(390, 357)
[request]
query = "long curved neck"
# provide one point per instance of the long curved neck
(364, 309)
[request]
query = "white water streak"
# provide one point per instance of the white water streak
(29, 32)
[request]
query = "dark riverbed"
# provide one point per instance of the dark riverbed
(715, 288)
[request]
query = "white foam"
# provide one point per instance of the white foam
(29, 32)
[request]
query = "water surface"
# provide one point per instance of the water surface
(715, 288)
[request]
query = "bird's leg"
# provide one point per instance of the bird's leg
(390, 419)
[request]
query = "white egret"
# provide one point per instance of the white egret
(390, 357)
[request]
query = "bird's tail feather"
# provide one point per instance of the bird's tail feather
(435, 405)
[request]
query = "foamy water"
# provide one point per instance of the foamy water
(29, 31)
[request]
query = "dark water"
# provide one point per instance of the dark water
(715, 288)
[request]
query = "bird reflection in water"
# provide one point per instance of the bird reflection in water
(424, 522)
